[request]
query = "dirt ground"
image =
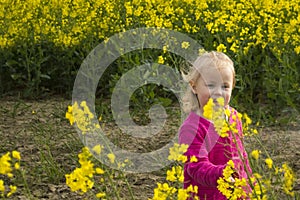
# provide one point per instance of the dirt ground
(49, 145)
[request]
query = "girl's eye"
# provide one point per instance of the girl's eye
(225, 86)
(210, 85)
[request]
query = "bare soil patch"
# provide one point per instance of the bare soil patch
(49, 147)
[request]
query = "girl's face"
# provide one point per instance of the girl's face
(213, 83)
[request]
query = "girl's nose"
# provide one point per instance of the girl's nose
(217, 92)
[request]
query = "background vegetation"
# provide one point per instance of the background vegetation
(43, 43)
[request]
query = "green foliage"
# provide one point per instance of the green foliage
(45, 53)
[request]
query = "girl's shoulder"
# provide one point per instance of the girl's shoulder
(190, 122)
(194, 120)
(193, 123)
(194, 126)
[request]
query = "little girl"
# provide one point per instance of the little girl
(212, 76)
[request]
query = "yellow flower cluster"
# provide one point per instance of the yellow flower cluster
(255, 23)
(65, 23)
(165, 191)
(231, 187)
(176, 153)
(218, 115)
(208, 109)
(255, 154)
(269, 163)
(247, 122)
(9, 162)
(81, 179)
(175, 174)
(82, 116)
(241, 24)
(289, 179)
(259, 191)
(283, 175)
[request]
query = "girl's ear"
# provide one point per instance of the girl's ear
(193, 86)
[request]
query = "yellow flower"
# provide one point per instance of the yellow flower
(82, 116)
(258, 191)
(185, 45)
(221, 48)
(255, 154)
(100, 195)
(208, 109)
(5, 165)
(216, 114)
(87, 168)
(182, 194)
(99, 170)
(175, 174)
(193, 189)
(84, 155)
(100, 118)
(176, 152)
(254, 131)
(228, 171)
(193, 159)
(269, 162)
(80, 178)
(224, 131)
(248, 120)
(86, 110)
(163, 191)
(165, 48)
(69, 115)
(161, 60)
(257, 175)
(220, 101)
(2, 187)
(239, 192)
(77, 181)
(201, 51)
(13, 189)
(230, 163)
(17, 166)
(232, 189)
(171, 175)
(182, 158)
(97, 149)
(16, 155)
(224, 187)
(289, 180)
(227, 112)
(111, 157)
(297, 49)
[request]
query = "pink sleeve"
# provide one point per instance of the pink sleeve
(203, 171)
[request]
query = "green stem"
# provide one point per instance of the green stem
(28, 192)
(114, 187)
(241, 157)
(128, 186)
(244, 162)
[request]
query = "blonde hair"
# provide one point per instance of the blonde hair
(208, 59)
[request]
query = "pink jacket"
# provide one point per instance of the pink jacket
(212, 153)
